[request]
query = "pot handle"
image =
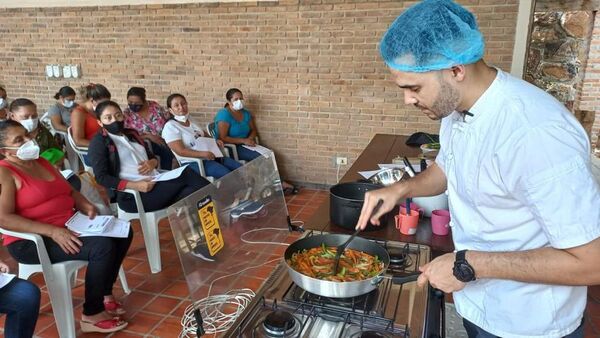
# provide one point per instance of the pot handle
(376, 280)
(405, 277)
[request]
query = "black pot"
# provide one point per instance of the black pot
(346, 201)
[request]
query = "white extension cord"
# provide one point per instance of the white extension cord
(214, 320)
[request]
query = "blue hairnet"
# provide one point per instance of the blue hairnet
(432, 35)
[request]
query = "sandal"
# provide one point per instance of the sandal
(103, 326)
(114, 308)
(294, 190)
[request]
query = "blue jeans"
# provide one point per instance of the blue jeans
(220, 166)
(246, 154)
(20, 300)
(475, 331)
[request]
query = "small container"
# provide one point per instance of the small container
(407, 224)
(440, 222)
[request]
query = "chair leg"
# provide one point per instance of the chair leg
(62, 304)
(123, 280)
(150, 231)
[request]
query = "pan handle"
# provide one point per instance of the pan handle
(376, 280)
(404, 277)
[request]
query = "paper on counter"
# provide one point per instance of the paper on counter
(169, 175)
(264, 151)
(368, 174)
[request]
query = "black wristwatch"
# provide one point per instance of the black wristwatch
(463, 271)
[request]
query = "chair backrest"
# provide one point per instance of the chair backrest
(210, 128)
(80, 151)
(41, 250)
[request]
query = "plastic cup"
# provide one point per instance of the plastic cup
(440, 222)
(407, 224)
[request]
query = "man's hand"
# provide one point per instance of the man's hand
(439, 274)
(390, 197)
(66, 239)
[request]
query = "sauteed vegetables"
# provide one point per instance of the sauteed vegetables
(318, 263)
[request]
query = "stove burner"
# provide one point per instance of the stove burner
(371, 334)
(279, 323)
(399, 258)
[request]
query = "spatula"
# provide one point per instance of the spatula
(340, 249)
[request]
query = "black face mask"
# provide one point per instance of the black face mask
(135, 107)
(115, 128)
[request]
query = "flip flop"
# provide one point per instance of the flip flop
(294, 190)
(114, 308)
(103, 326)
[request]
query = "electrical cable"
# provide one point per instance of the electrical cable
(214, 319)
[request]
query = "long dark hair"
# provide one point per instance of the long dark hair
(20, 102)
(103, 105)
(137, 91)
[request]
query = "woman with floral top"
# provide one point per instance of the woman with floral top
(148, 118)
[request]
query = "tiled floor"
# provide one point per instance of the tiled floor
(156, 304)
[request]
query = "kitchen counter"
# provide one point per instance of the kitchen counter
(382, 149)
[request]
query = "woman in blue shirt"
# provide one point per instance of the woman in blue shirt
(234, 124)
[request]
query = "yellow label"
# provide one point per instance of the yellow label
(210, 225)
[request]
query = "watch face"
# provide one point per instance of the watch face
(463, 272)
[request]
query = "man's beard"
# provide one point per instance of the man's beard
(446, 102)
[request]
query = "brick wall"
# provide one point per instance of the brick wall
(589, 98)
(310, 70)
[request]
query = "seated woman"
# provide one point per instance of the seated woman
(24, 111)
(20, 300)
(83, 120)
(60, 112)
(3, 104)
(148, 118)
(121, 160)
(234, 124)
(185, 138)
(35, 198)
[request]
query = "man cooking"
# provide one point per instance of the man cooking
(516, 165)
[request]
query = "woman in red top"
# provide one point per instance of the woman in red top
(35, 198)
(83, 121)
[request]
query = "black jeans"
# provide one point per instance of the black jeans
(20, 300)
(475, 331)
(104, 256)
(164, 193)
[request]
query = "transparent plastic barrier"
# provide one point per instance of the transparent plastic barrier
(252, 216)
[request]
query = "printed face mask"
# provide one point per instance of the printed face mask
(29, 150)
(238, 104)
(30, 124)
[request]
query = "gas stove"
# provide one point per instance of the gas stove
(282, 309)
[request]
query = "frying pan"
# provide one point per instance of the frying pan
(342, 289)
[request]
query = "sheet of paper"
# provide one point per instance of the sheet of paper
(5, 278)
(67, 173)
(259, 149)
(119, 229)
(368, 174)
(207, 144)
(416, 166)
(81, 223)
(169, 175)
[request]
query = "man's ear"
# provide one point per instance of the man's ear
(458, 73)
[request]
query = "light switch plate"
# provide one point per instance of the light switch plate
(56, 70)
(66, 71)
(49, 72)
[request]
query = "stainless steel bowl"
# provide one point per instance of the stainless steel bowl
(387, 176)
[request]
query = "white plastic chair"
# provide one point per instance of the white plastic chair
(80, 151)
(149, 223)
(59, 278)
(230, 148)
(199, 162)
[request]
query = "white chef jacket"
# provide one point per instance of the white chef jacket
(519, 178)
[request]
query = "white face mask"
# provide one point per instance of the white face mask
(3, 103)
(181, 118)
(238, 104)
(29, 150)
(30, 124)
(68, 103)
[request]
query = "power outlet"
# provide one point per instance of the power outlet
(341, 160)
